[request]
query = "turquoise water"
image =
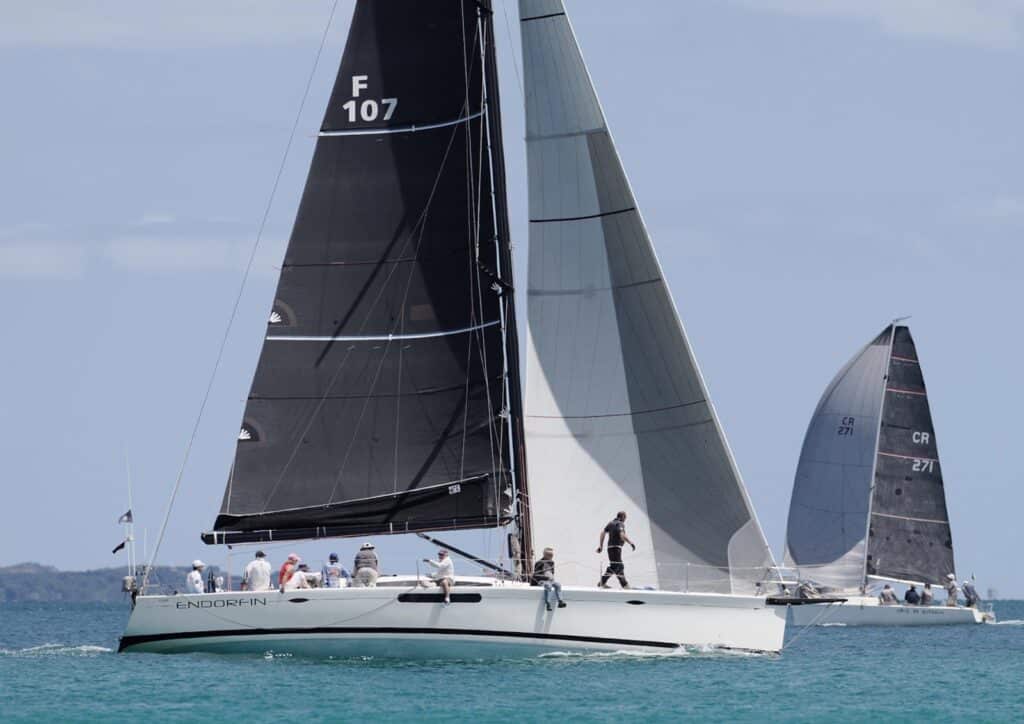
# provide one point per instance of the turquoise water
(57, 663)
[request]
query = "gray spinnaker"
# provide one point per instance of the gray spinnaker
(828, 511)
(617, 413)
(910, 538)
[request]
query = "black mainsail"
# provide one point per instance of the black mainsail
(908, 535)
(386, 399)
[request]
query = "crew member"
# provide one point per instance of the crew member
(970, 593)
(444, 573)
(288, 568)
(334, 574)
(912, 596)
(888, 596)
(616, 533)
(544, 575)
(256, 576)
(366, 566)
(194, 579)
(951, 589)
(926, 595)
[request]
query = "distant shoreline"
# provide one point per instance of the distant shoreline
(36, 583)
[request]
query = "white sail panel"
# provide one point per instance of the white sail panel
(828, 513)
(617, 415)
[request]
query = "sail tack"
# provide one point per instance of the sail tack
(844, 524)
(380, 400)
(618, 417)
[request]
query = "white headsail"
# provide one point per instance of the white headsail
(617, 414)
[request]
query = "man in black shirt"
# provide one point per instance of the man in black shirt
(616, 533)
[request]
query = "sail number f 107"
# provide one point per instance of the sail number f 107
(367, 110)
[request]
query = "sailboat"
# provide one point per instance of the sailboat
(388, 399)
(869, 501)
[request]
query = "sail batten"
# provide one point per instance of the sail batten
(617, 414)
(381, 402)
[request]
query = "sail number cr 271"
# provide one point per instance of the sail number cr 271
(846, 426)
(368, 109)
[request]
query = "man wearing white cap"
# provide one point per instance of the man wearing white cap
(951, 589)
(366, 567)
(194, 579)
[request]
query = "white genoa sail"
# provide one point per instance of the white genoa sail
(617, 413)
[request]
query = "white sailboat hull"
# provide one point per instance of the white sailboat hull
(484, 621)
(866, 611)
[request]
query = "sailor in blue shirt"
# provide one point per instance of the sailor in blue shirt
(334, 573)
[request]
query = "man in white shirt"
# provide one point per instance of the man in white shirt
(256, 576)
(194, 579)
(444, 575)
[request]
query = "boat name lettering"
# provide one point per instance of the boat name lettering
(222, 603)
(369, 109)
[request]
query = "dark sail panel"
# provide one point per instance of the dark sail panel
(909, 536)
(380, 403)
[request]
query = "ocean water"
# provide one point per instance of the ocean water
(57, 663)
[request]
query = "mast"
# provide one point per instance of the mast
(509, 328)
(874, 463)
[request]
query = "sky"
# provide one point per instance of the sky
(808, 169)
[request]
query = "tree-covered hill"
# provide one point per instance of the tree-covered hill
(35, 582)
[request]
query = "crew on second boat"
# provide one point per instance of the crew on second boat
(888, 596)
(912, 597)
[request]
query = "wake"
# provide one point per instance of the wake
(57, 650)
(1011, 622)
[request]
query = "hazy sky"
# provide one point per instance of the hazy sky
(809, 169)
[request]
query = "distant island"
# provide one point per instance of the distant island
(32, 582)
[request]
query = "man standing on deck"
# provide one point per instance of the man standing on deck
(616, 533)
(366, 567)
(194, 579)
(951, 590)
(256, 576)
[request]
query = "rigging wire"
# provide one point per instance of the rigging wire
(241, 290)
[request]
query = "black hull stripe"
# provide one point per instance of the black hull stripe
(129, 641)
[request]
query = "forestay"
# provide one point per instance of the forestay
(618, 416)
(382, 403)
